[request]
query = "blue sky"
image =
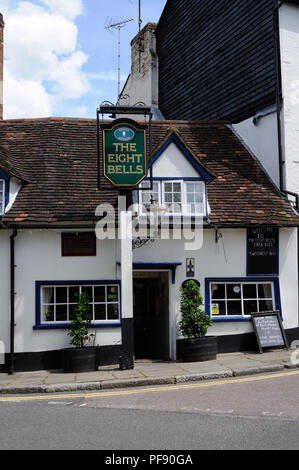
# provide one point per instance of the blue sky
(59, 58)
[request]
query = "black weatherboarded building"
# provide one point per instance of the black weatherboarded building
(217, 59)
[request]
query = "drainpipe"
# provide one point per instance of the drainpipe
(12, 302)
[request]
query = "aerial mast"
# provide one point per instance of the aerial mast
(118, 26)
(140, 20)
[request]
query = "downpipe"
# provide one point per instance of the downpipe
(12, 303)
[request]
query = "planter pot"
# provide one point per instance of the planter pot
(200, 349)
(79, 359)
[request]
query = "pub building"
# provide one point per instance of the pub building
(50, 199)
(57, 175)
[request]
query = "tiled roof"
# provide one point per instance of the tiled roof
(9, 166)
(58, 158)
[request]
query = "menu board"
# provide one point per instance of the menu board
(262, 250)
(269, 330)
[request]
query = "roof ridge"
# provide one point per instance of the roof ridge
(164, 122)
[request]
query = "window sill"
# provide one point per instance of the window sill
(173, 216)
(234, 318)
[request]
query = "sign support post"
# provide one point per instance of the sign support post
(127, 358)
(125, 164)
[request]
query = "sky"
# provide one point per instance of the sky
(59, 57)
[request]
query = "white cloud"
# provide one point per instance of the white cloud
(43, 57)
(68, 8)
(26, 98)
(81, 110)
(72, 83)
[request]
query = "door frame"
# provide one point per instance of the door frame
(171, 309)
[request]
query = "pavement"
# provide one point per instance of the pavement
(148, 373)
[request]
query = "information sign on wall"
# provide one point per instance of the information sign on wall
(262, 250)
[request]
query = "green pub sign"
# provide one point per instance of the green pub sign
(124, 152)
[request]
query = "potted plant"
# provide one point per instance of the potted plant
(82, 357)
(194, 325)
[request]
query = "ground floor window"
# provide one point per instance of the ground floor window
(240, 298)
(57, 302)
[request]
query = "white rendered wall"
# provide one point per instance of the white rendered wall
(38, 258)
(289, 37)
(14, 187)
(5, 288)
(288, 268)
(226, 259)
(262, 141)
(173, 164)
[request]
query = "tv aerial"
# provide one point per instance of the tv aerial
(139, 8)
(110, 25)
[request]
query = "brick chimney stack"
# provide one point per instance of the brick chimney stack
(142, 84)
(1, 64)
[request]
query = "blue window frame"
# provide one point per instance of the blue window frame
(233, 299)
(4, 191)
(56, 301)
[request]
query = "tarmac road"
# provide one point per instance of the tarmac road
(257, 412)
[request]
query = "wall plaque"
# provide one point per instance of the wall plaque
(262, 251)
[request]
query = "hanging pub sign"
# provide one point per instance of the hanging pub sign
(262, 251)
(124, 152)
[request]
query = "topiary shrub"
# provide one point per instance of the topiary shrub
(194, 321)
(81, 323)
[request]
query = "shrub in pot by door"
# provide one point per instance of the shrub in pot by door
(81, 357)
(194, 325)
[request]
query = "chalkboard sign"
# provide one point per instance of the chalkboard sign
(269, 330)
(262, 250)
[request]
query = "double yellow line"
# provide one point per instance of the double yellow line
(193, 386)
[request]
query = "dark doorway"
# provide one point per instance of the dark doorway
(151, 315)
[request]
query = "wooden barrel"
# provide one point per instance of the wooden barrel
(201, 349)
(79, 359)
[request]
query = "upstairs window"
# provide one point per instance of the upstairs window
(147, 196)
(173, 197)
(179, 197)
(2, 196)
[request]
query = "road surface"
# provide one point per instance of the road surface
(257, 412)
